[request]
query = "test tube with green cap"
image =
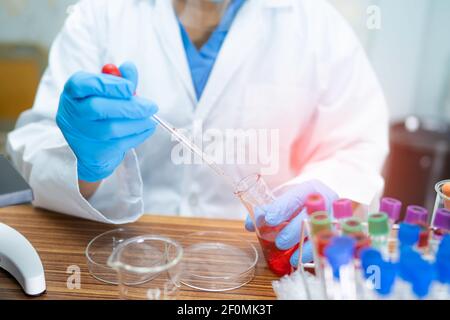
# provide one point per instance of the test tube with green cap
(351, 226)
(379, 231)
(320, 221)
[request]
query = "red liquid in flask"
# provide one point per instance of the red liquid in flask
(277, 260)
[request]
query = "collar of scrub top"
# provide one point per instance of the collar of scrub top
(201, 62)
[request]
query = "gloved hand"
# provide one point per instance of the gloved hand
(101, 120)
(284, 207)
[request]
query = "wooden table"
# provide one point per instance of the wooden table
(61, 240)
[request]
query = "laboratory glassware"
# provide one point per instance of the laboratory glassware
(148, 267)
(256, 196)
(217, 261)
(442, 197)
(100, 248)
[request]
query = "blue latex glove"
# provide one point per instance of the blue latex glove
(101, 120)
(283, 208)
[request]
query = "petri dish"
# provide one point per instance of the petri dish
(149, 267)
(100, 248)
(217, 261)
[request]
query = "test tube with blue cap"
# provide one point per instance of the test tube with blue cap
(408, 237)
(408, 234)
(368, 280)
(441, 288)
(439, 228)
(380, 275)
(416, 271)
(339, 270)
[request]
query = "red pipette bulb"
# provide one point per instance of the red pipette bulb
(111, 69)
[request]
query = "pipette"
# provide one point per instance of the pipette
(111, 69)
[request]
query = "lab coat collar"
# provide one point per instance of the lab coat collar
(241, 39)
(168, 32)
(244, 34)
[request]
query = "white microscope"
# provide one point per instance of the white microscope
(20, 259)
(17, 255)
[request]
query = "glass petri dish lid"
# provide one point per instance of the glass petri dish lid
(100, 248)
(217, 261)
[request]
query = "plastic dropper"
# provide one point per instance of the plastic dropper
(112, 69)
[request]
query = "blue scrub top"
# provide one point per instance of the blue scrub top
(202, 61)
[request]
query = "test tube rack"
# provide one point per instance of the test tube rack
(308, 281)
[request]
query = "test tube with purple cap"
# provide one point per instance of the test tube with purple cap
(342, 211)
(392, 207)
(441, 223)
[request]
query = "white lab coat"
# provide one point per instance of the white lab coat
(290, 65)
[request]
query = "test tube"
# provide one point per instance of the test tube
(339, 269)
(351, 226)
(441, 287)
(416, 271)
(379, 231)
(342, 210)
(369, 258)
(392, 207)
(424, 237)
(408, 234)
(314, 203)
(442, 266)
(372, 261)
(320, 221)
(322, 239)
(416, 214)
(441, 223)
(362, 242)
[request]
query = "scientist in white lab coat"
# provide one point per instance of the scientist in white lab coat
(289, 72)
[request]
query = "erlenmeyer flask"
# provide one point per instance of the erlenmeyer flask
(256, 195)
